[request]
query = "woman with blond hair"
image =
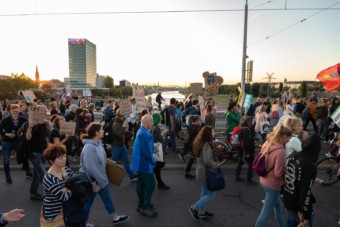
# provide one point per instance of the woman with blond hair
(274, 152)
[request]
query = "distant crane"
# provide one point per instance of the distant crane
(269, 78)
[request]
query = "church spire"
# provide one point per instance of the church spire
(37, 77)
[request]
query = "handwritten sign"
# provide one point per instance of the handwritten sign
(28, 95)
(211, 82)
(196, 88)
(125, 106)
(138, 93)
(67, 128)
(36, 114)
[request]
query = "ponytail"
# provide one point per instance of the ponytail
(275, 136)
(91, 131)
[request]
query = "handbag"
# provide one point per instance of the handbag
(215, 180)
(265, 127)
(158, 152)
(115, 172)
(56, 222)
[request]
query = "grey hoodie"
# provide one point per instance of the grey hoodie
(93, 161)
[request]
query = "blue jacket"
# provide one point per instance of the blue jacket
(142, 158)
(93, 161)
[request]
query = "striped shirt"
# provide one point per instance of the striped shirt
(54, 196)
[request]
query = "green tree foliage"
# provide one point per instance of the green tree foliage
(7, 90)
(22, 82)
(108, 82)
(303, 89)
(255, 89)
(121, 92)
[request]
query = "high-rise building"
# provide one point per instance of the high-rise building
(82, 63)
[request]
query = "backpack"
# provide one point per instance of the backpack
(22, 150)
(234, 139)
(259, 165)
(321, 112)
(305, 112)
(108, 135)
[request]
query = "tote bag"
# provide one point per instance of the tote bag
(115, 172)
(158, 152)
(215, 180)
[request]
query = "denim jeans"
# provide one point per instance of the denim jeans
(205, 198)
(172, 134)
(293, 219)
(240, 163)
(105, 195)
(7, 147)
(121, 153)
(272, 201)
(38, 171)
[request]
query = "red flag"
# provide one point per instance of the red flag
(330, 77)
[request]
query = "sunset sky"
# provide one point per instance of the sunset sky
(145, 43)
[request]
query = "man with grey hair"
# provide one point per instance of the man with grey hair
(142, 163)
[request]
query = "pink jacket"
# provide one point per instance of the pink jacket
(275, 164)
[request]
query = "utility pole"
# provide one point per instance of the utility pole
(269, 78)
(244, 55)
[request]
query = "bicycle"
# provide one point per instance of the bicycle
(328, 168)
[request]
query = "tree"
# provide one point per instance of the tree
(7, 90)
(303, 89)
(280, 88)
(22, 82)
(255, 89)
(108, 82)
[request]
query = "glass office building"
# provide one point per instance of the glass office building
(82, 63)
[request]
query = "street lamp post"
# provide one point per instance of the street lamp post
(244, 55)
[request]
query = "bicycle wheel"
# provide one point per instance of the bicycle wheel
(327, 170)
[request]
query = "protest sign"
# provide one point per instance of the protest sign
(247, 102)
(196, 88)
(336, 116)
(211, 82)
(36, 114)
(124, 106)
(138, 93)
(67, 128)
(28, 95)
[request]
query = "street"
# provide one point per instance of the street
(237, 205)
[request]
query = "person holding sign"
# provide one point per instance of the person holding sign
(37, 138)
(9, 128)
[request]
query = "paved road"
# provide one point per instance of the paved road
(237, 205)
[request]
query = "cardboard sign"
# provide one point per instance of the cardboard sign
(67, 128)
(336, 116)
(196, 88)
(87, 92)
(138, 93)
(211, 82)
(247, 102)
(29, 96)
(240, 99)
(36, 114)
(125, 106)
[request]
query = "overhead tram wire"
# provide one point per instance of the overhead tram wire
(162, 11)
(294, 24)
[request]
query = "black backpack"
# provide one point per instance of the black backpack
(108, 135)
(23, 151)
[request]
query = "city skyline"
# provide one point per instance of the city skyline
(173, 42)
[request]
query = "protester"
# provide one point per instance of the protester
(8, 129)
(311, 114)
(119, 150)
(273, 150)
(37, 137)
(142, 163)
(171, 123)
(15, 215)
(233, 117)
(92, 165)
(203, 149)
(209, 117)
(159, 100)
(297, 190)
(294, 144)
(54, 185)
(261, 117)
(157, 138)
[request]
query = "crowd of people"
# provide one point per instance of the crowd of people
(290, 153)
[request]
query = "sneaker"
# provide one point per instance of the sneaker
(189, 176)
(133, 179)
(193, 212)
(202, 216)
(120, 219)
(163, 186)
(181, 157)
(36, 197)
(148, 212)
(9, 180)
(208, 214)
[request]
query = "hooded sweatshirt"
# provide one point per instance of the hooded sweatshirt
(301, 172)
(93, 161)
(275, 165)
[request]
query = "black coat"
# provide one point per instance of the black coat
(300, 175)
